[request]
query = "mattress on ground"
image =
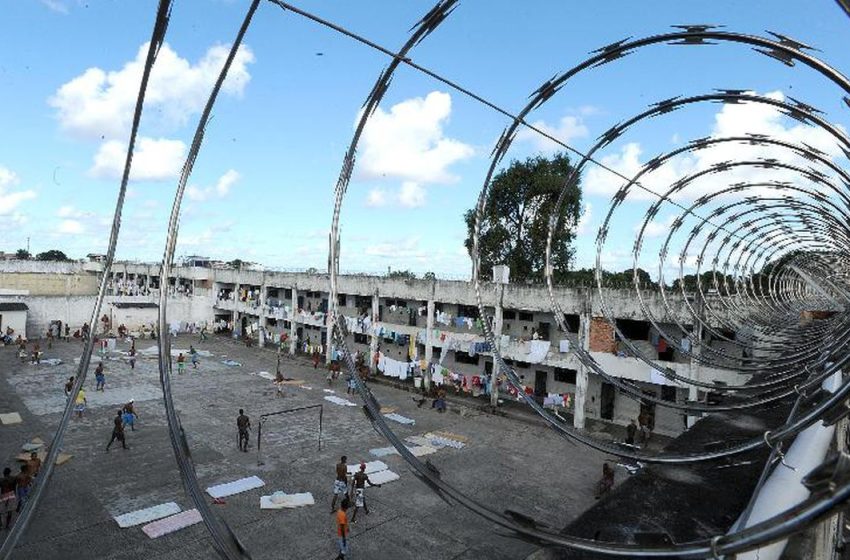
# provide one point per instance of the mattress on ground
(383, 477)
(420, 450)
(383, 451)
(171, 524)
(147, 515)
(371, 467)
(10, 418)
(400, 419)
(235, 487)
(339, 401)
(289, 501)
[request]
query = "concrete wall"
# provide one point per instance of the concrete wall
(15, 319)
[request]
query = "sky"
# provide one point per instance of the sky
(262, 188)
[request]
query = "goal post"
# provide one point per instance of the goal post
(265, 417)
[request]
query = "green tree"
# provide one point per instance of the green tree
(236, 263)
(403, 274)
(52, 255)
(23, 254)
(429, 276)
(516, 218)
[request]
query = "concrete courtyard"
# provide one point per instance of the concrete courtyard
(506, 464)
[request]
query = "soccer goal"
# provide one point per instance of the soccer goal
(288, 429)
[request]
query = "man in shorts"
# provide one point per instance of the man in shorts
(100, 377)
(341, 481)
(8, 499)
(128, 414)
(80, 404)
(117, 431)
(243, 424)
(23, 483)
(359, 481)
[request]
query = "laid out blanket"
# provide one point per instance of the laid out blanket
(170, 524)
(235, 487)
(142, 516)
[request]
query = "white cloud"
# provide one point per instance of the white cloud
(153, 159)
(9, 199)
(409, 143)
(404, 249)
(376, 198)
(569, 128)
(70, 212)
(100, 103)
(731, 120)
(55, 6)
(411, 195)
(221, 188)
(71, 227)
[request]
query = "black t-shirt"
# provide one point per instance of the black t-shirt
(242, 422)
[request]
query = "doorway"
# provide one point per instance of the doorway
(606, 404)
(540, 378)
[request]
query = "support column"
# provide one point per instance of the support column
(429, 342)
(373, 342)
(261, 338)
(695, 369)
(497, 338)
(581, 376)
(293, 313)
(329, 326)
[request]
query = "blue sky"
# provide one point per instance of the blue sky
(262, 187)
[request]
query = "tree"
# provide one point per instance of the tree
(516, 218)
(402, 274)
(429, 276)
(52, 255)
(23, 254)
(236, 263)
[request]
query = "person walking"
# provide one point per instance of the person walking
(342, 529)
(359, 481)
(606, 482)
(100, 377)
(117, 432)
(631, 430)
(8, 497)
(203, 334)
(194, 355)
(132, 354)
(81, 403)
(181, 363)
(243, 424)
(69, 386)
(278, 381)
(23, 482)
(341, 481)
(128, 414)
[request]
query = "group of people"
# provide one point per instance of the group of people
(639, 434)
(347, 489)
(14, 490)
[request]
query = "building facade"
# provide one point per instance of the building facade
(394, 322)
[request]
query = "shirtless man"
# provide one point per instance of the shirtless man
(341, 482)
(360, 480)
(243, 424)
(69, 386)
(34, 464)
(117, 432)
